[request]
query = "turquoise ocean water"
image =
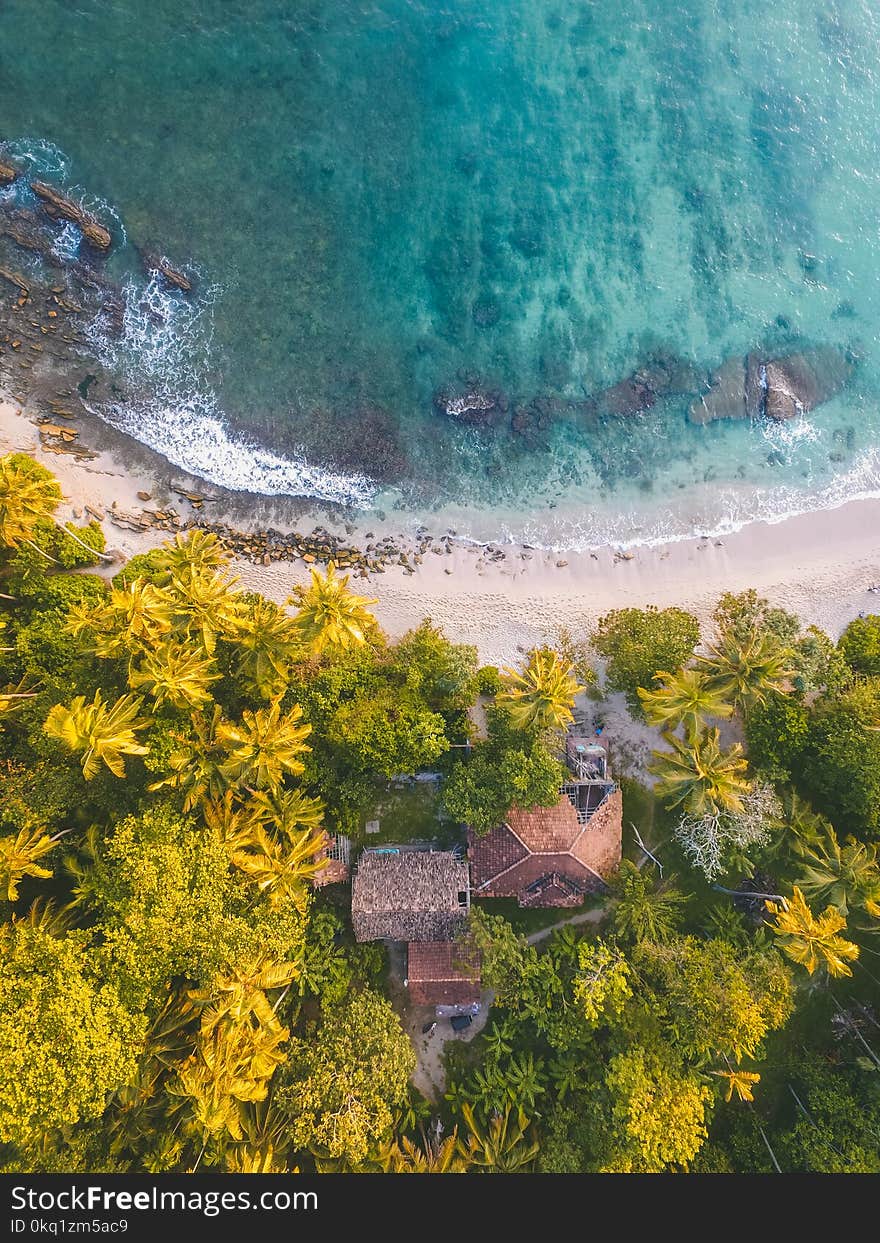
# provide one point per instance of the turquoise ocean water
(385, 198)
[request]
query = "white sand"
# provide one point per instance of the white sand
(818, 565)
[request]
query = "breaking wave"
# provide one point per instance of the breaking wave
(160, 354)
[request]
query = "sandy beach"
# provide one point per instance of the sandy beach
(818, 565)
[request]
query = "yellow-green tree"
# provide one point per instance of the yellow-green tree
(814, 941)
(543, 695)
(28, 494)
(264, 747)
(330, 618)
(19, 857)
(176, 673)
(135, 618)
(102, 734)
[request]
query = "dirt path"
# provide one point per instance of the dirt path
(594, 916)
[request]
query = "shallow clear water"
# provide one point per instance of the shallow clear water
(386, 198)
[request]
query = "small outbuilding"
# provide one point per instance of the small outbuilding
(443, 973)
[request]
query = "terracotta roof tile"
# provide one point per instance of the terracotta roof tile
(545, 857)
(443, 973)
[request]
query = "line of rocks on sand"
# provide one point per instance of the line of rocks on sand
(318, 547)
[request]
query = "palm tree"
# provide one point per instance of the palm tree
(813, 941)
(699, 776)
(46, 915)
(237, 1050)
(100, 733)
(642, 911)
(433, 1156)
(30, 494)
(188, 556)
(745, 673)
(504, 1146)
(268, 642)
(239, 998)
(567, 1072)
(687, 697)
(739, 1081)
(542, 696)
(198, 762)
(279, 874)
(844, 875)
(16, 694)
(525, 1080)
(330, 618)
(135, 618)
(19, 855)
(204, 607)
(264, 747)
(286, 811)
(176, 674)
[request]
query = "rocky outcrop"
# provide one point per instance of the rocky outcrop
(475, 407)
(662, 375)
(59, 207)
(799, 382)
(171, 276)
(8, 173)
(726, 396)
(775, 388)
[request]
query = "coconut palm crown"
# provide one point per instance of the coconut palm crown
(699, 777)
(745, 673)
(542, 696)
(330, 617)
(687, 698)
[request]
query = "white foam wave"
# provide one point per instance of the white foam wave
(163, 347)
(67, 243)
(716, 512)
(40, 155)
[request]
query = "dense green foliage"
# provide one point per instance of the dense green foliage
(511, 768)
(176, 994)
(637, 644)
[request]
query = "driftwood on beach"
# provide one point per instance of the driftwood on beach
(59, 207)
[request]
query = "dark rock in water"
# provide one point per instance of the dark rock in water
(780, 388)
(476, 407)
(8, 173)
(799, 382)
(756, 385)
(663, 375)
(59, 207)
(726, 398)
(171, 276)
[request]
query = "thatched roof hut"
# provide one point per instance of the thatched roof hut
(410, 896)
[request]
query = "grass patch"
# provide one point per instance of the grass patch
(411, 812)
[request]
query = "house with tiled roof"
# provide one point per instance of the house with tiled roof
(554, 856)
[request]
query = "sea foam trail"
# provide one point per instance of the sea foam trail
(164, 342)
